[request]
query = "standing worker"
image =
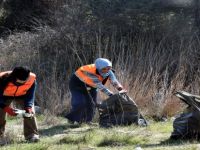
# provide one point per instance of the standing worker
(83, 86)
(18, 85)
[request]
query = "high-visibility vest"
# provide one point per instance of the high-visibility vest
(13, 90)
(81, 73)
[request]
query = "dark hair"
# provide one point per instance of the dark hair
(21, 73)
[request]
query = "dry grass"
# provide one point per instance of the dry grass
(150, 71)
(139, 73)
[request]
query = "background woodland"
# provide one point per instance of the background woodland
(153, 44)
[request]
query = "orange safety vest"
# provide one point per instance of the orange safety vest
(86, 79)
(13, 90)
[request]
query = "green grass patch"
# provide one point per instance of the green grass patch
(162, 127)
(123, 140)
(60, 135)
(74, 140)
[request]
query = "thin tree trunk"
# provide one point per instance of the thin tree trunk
(197, 15)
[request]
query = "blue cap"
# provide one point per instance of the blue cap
(101, 63)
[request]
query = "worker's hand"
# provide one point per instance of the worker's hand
(111, 94)
(123, 91)
(119, 88)
(29, 112)
(10, 111)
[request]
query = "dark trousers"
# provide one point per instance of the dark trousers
(30, 124)
(82, 105)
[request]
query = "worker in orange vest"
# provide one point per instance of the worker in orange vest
(18, 85)
(83, 86)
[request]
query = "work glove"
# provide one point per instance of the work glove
(24, 113)
(20, 113)
(10, 111)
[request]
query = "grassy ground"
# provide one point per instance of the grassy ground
(56, 133)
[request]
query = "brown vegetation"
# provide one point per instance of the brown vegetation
(154, 52)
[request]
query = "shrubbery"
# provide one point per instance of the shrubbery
(153, 53)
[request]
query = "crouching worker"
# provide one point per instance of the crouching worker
(18, 85)
(84, 84)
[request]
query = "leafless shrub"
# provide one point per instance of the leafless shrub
(151, 70)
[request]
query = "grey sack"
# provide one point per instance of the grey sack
(187, 124)
(120, 109)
